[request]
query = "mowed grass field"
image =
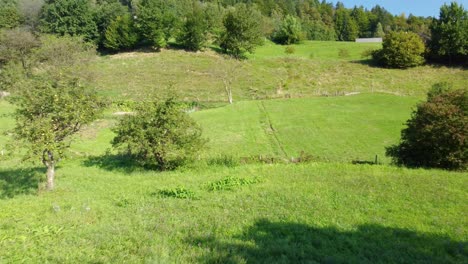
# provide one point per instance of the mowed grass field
(315, 69)
(221, 209)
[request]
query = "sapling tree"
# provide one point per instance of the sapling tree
(53, 102)
(49, 113)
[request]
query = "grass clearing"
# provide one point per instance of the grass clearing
(312, 212)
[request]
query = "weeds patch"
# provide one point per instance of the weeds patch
(230, 183)
(178, 192)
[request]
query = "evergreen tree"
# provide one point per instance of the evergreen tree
(121, 34)
(379, 33)
(69, 17)
(242, 30)
(449, 41)
(345, 26)
(193, 35)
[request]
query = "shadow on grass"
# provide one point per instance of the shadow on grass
(368, 62)
(112, 162)
(272, 242)
(19, 181)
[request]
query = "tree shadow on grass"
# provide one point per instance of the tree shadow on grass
(278, 242)
(112, 162)
(19, 181)
(368, 62)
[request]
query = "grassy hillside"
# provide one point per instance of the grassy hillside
(221, 210)
(343, 128)
(269, 73)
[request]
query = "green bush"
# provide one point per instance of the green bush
(121, 34)
(193, 35)
(242, 30)
(288, 32)
(436, 135)
(159, 135)
(400, 50)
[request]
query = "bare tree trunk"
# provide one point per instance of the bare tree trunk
(49, 161)
(50, 176)
(228, 88)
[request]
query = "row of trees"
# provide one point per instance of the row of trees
(120, 25)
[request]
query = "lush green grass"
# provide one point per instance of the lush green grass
(295, 213)
(269, 73)
(324, 212)
(346, 128)
(326, 50)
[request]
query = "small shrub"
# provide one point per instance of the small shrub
(230, 183)
(400, 50)
(159, 135)
(290, 50)
(179, 192)
(367, 53)
(224, 160)
(436, 134)
(343, 53)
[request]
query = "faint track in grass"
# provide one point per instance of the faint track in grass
(270, 131)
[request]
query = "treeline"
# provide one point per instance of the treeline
(236, 26)
(312, 19)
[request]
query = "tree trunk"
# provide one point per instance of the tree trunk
(50, 176)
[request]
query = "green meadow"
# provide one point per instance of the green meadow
(287, 175)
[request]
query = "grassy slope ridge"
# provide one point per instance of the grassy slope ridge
(199, 76)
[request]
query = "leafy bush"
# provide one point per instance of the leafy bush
(194, 32)
(230, 183)
(289, 50)
(179, 192)
(436, 135)
(159, 135)
(121, 34)
(224, 160)
(242, 30)
(400, 50)
(288, 32)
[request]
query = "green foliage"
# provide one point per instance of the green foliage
(155, 21)
(437, 134)
(400, 50)
(289, 50)
(159, 135)
(242, 30)
(345, 26)
(69, 17)
(179, 192)
(288, 32)
(10, 16)
(107, 12)
(449, 42)
(230, 183)
(317, 30)
(16, 46)
(379, 32)
(194, 32)
(121, 34)
(49, 112)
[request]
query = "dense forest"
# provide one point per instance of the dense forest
(236, 26)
